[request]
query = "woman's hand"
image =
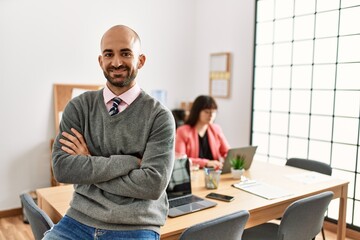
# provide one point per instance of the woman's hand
(214, 164)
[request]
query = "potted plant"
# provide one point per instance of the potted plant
(237, 166)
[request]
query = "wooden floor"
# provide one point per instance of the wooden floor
(13, 228)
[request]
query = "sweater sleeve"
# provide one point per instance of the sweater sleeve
(80, 169)
(181, 140)
(156, 165)
(223, 143)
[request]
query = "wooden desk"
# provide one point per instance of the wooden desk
(55, 200)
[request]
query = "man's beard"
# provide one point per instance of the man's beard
(126, 82)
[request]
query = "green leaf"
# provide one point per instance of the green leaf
(238, 162)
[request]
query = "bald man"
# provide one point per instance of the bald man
(116, 146)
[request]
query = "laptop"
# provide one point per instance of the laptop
(248, 152)
(181, 199)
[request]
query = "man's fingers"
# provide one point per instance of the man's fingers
(74, 144)
(70, 137)
(68, 150)
(67, 143)
(78, 135)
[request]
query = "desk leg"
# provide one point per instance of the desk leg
(342, 214)
(39, 200)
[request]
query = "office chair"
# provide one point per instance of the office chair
(229, 227)
(311, 165)
(302, 220)
(179, 116)
(38, 219)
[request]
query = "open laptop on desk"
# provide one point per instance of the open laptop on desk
(247, 152)
(181, 199)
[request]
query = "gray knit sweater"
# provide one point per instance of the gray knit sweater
(111, 190)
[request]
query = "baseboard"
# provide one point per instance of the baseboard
(350, 233)
(11, 212)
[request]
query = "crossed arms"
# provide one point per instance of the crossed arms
(124, 175)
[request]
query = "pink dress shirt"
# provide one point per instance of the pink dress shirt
(126, 98)
(187, 142)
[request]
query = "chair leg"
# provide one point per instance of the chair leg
(323, 233)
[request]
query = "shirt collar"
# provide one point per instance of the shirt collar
(128, 97)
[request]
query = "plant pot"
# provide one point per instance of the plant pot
(237, 173)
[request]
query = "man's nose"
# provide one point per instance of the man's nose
(117, 62)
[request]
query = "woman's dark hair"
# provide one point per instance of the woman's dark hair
(201, 102)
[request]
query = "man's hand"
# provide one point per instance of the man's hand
(74, 145)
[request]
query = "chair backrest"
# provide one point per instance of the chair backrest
(229, 227)
(179, 116)
(311, 165)
(304, 218)
(38, 219)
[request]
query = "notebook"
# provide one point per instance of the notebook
(181, 199)
(262, 189)
(248, 152)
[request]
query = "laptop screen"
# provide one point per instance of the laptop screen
(247, 152)
(180, 182)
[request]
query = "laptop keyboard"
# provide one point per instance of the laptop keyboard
(183, 201)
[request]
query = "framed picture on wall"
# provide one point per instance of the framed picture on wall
(220, 75)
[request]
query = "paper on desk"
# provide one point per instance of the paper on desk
(309, 177)
(263, 189)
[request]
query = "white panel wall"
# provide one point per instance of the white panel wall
(46, 42)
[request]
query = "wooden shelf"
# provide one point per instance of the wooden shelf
(63, 94)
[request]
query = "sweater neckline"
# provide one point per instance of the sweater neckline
(119, 115)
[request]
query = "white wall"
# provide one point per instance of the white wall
(228, 26)
(45, 42)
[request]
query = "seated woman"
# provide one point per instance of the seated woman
(200, 139)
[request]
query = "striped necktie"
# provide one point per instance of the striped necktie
(114, 109)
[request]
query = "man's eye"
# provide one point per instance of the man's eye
(126, 54)
(108, 55)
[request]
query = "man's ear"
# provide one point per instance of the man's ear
(142, 60)
(100, 60)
